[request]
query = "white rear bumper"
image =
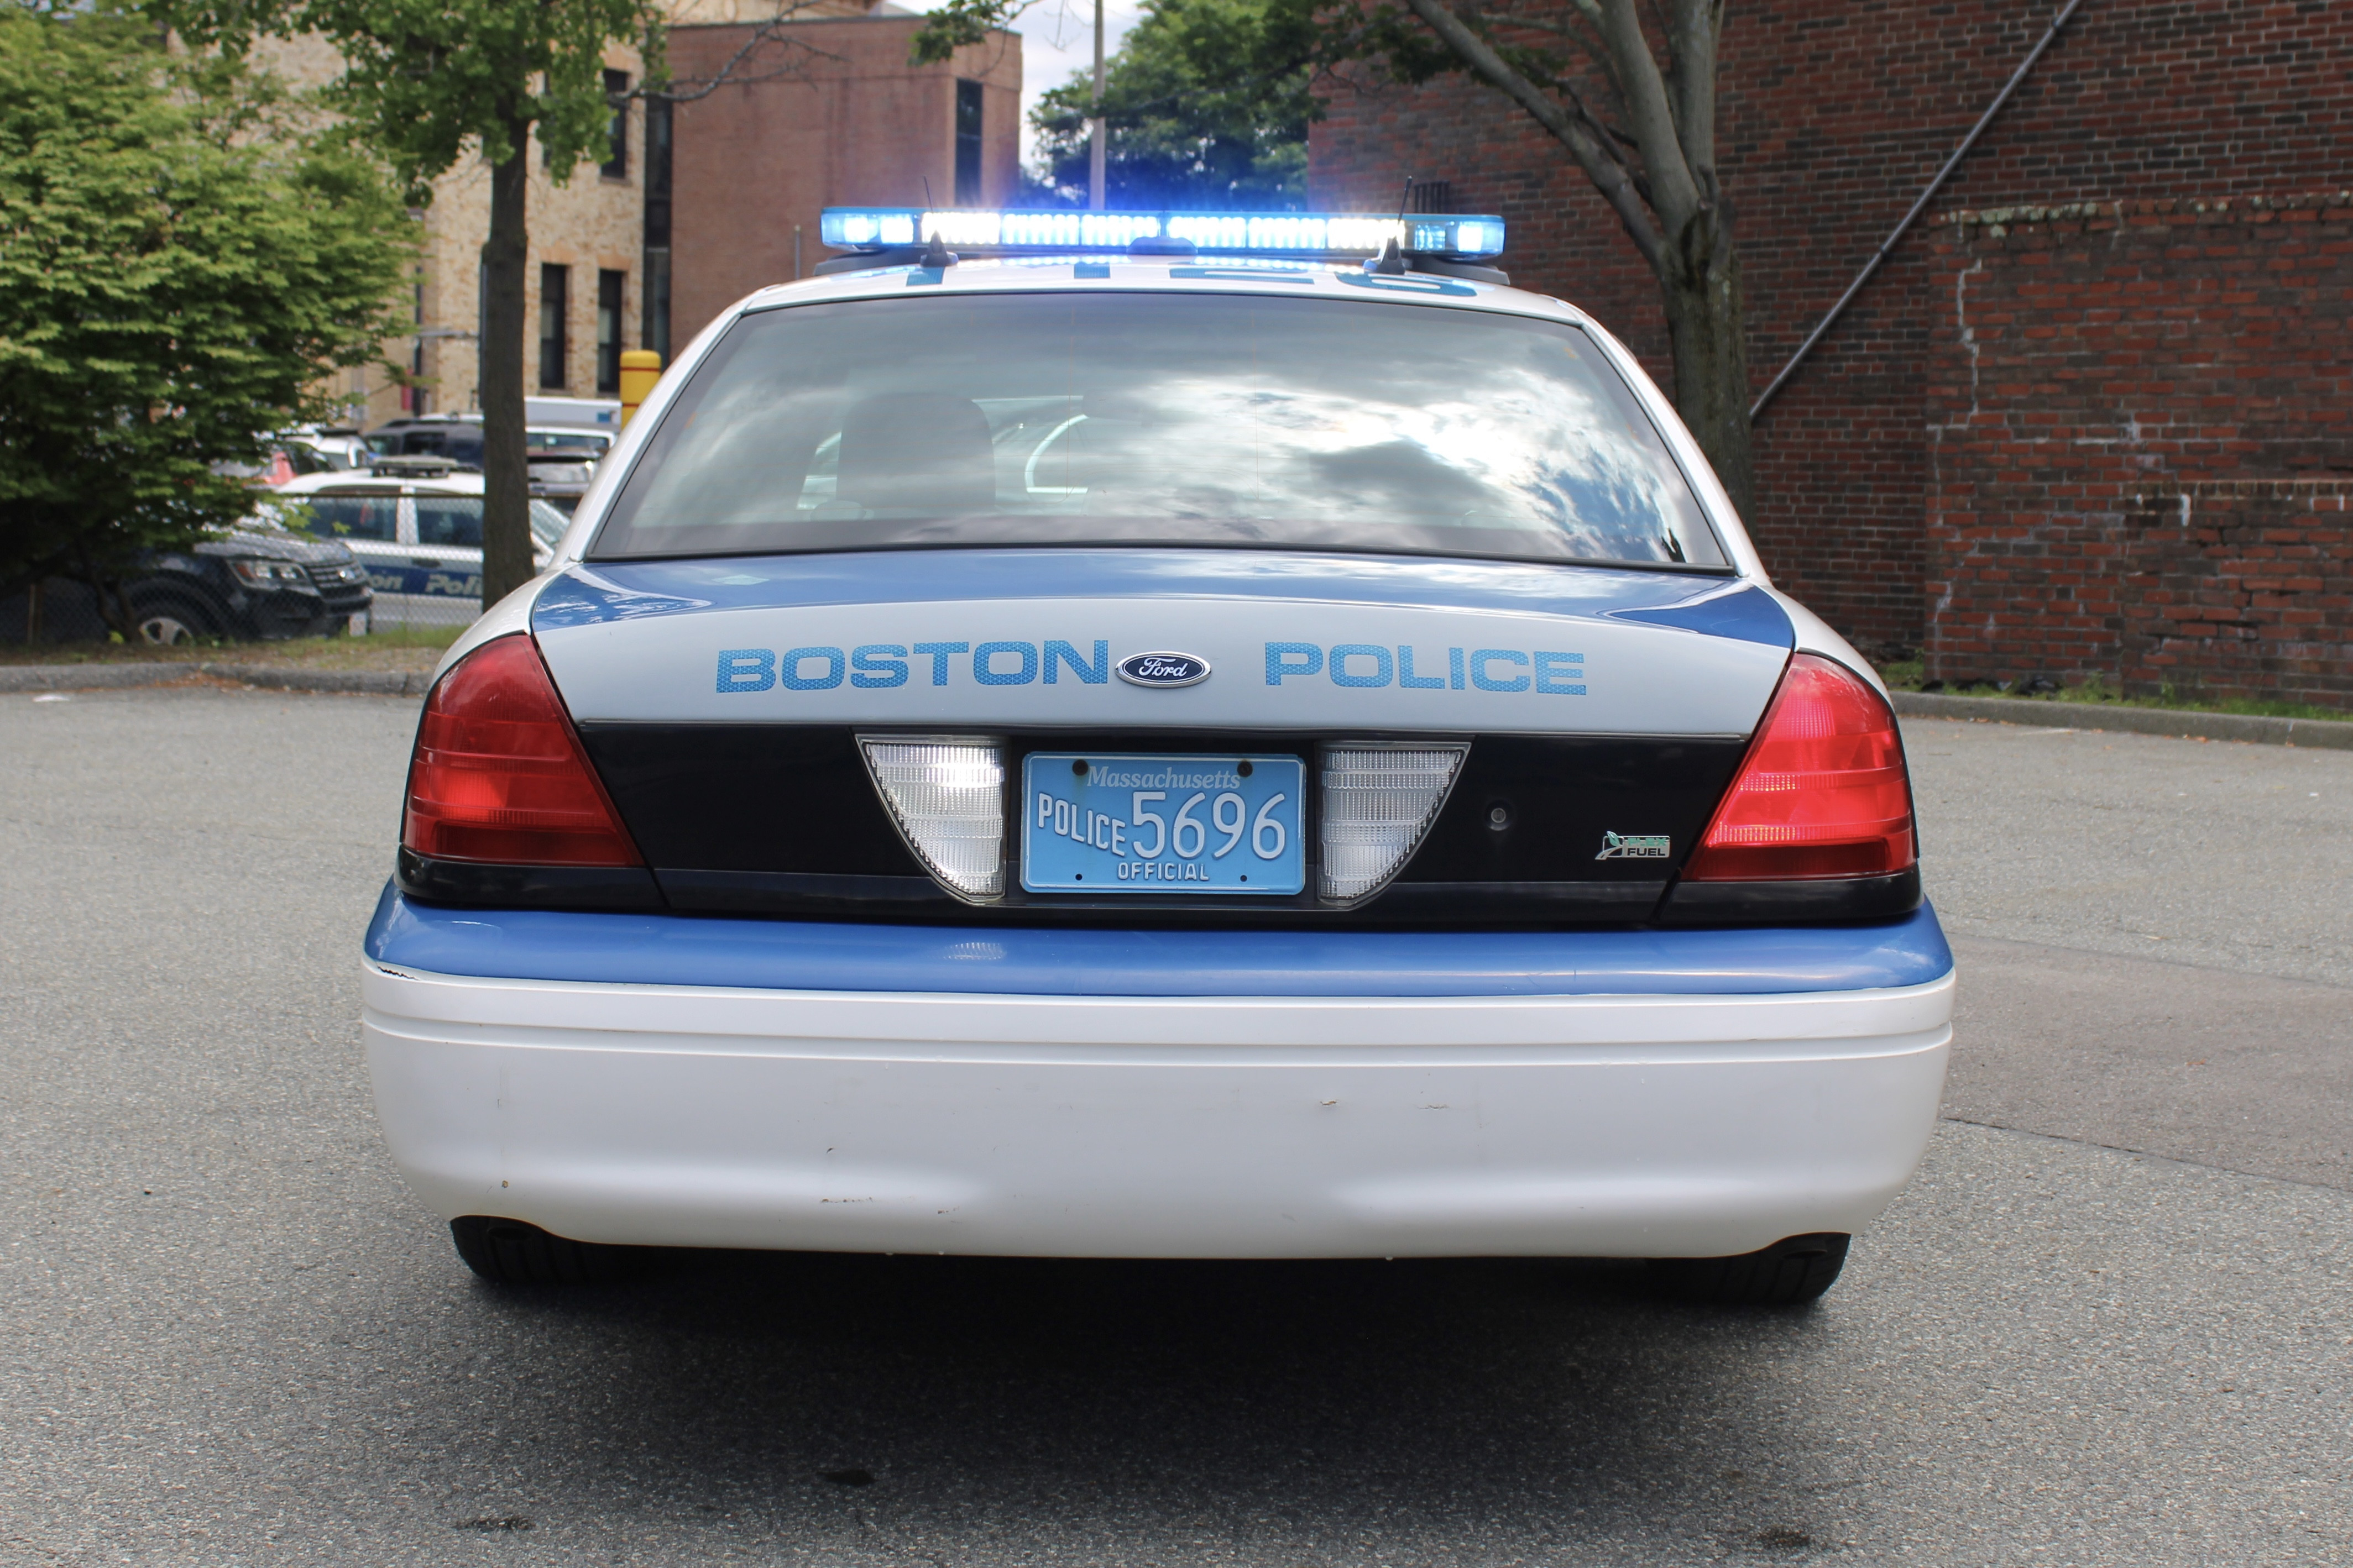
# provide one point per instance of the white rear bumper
(1186, 1127)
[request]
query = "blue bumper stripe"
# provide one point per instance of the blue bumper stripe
(682, 949)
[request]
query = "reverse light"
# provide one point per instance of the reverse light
(947, 796)
(1462, 237)
(1823, 791)
(1378, 803)
(499, 774)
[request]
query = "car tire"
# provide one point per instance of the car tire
(510, 1252)
(1789, 1273)
(168, 620)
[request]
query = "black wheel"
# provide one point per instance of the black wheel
(168, 620)
(1789, 1273)
(509, 1252)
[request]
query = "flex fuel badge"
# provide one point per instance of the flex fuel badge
(1634, 847)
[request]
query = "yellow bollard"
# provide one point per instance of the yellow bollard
(640, 368)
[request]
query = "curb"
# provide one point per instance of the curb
(2331, 735)
(104, 676)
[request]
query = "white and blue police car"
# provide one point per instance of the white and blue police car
(1128, 736)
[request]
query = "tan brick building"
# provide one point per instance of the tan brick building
(856, 124)
(701, 201)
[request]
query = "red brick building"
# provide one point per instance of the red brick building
(1977, 461)
(826, 113)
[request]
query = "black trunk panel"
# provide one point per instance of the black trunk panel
(783, 820)
(749, 797)
(1561, 795)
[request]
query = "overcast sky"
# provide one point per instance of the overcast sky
(1058, 37)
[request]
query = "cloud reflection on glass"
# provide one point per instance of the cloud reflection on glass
(1207, 419)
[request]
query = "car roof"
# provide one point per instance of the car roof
(352, 482)
(1121, 273)
(472, 421)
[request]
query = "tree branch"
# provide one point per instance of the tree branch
(1673, 190)
(1694, 37)
(1588, 42)
(764, 33)
(1600, 163)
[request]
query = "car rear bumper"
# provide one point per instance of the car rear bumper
(1656, 1124)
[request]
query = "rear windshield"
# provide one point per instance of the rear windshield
(1194, 419)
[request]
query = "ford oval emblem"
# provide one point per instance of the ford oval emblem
(1164, 669)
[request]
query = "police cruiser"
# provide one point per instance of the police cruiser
(1129, 736)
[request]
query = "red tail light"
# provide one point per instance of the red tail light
(499, 774)
(1823, 791)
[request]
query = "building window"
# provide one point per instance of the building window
(967, 146)
(653, 322)
(609, 329)
(554, 284)
(617, 166)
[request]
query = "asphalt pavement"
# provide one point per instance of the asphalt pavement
(2109, 1323)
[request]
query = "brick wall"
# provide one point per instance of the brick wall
(854, 124)
(2140, 438)
(2240, 588)
(1833, 117)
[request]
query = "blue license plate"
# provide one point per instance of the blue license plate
(1121, 822)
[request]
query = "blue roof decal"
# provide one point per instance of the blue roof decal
(1748, 614)
(685, 949)
(595, 592)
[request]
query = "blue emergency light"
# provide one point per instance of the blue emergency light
(1455, 236)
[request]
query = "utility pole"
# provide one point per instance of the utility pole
(1095, 137)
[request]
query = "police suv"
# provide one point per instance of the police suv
(1141, 736)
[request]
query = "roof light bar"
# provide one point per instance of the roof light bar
(1460, 236)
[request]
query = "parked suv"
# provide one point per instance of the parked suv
(258, 581)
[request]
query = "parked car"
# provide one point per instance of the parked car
(257, 581)
(1127, 755)
(563, 458)
(324, 449)
(304, 449)
(416, 527)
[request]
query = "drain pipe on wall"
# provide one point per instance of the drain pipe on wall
(1888, 245)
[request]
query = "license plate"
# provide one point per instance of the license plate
(359, 624)
(1121, 822)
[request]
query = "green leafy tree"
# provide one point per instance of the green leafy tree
(425, 82)
(1206, 103)
(180, 265)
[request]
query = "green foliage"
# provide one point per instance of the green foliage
(180, 264)
(959, 23)
(425, 78)
(1206, 104)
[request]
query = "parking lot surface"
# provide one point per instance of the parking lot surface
(2109, 1324)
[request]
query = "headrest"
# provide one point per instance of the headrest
(919, 452)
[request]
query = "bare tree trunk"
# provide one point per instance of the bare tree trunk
(506, 477)
(1699, 278)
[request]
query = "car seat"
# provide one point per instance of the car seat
(924, 452)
